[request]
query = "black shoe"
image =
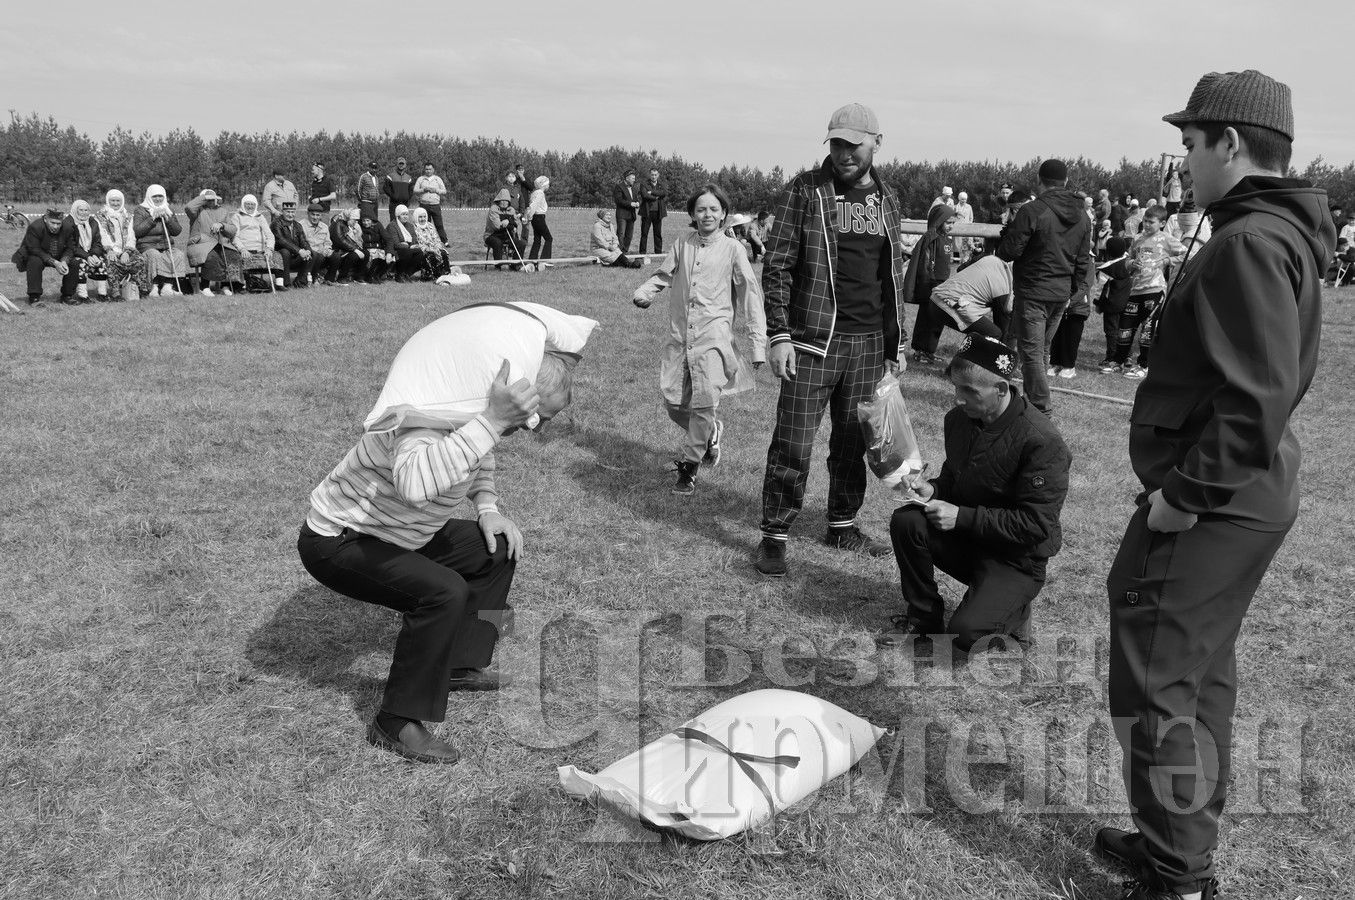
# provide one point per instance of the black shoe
(69, 301)
(1124, 848)
(413, 742)
(852, 538)
(478, 680)
(902, 632)
(1139, 890)
(770, 557)
(686, 478)
(36, 303)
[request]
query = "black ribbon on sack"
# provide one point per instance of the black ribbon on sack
(743, 759)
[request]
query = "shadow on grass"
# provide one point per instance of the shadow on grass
(623, 474)
(316, 635)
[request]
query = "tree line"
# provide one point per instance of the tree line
(41, 161)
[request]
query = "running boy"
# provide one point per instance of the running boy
(699, 361)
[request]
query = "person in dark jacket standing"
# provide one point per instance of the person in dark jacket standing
(1211, 444)
(653, 209)
(991, 518)
(927, 267)
(398, 187)
(627, 199)
(833, 285)
(49, 242)
(1049, 243)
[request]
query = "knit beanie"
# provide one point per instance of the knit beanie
(1239, 98)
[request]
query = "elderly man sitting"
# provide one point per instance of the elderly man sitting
(603, 244)
(991, 518)
(382, 527)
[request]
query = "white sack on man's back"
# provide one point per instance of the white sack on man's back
(441, 376)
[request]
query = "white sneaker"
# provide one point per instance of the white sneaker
(168, 291)
(277, 282)
(155, 290)
(227, 291)
(1052, 370)
(1067, 373)
(207, 292)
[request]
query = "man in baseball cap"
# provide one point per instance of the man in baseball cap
(1236, 348)
(832, 303)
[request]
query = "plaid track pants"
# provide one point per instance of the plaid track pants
(841, 380)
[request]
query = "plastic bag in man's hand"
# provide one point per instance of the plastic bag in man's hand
(893, 451)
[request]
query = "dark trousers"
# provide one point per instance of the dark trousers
(294, 268)
(625, 229)
(326, 264)
(999, 592)
(434, 211)
(1176, 605)
(927, 327)
(655, 221)
(408, 260)
(839, 381)
(441, 590)
(1136, 313)
(367, 210)
(1067, 340)
(1110, 324)
(68, 281)
(1033, 325)
(504, 244)
(541, 237)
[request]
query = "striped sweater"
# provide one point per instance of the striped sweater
(403, 486)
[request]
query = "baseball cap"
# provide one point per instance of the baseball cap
(853, 123)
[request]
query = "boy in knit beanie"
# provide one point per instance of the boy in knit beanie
(1235, 350)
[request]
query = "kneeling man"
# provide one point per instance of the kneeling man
(380, 530)
(991, 518)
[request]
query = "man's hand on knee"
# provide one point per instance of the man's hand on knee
(492, 525)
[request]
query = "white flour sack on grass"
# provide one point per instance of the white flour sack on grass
(734, 766)
(441, 376)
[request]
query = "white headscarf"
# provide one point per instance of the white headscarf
(249, 200)
(152, 191)
(80, 214)
(404, 231)
(120, 214)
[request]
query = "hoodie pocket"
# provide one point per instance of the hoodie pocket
(1161, 411)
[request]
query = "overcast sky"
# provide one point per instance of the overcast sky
(715, 82)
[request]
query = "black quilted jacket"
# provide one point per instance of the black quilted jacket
(1008, 479)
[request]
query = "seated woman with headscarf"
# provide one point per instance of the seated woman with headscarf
(603, 243)
(436, 262)
(126, 270)
(374, 243)
(402, 245)
(345, 234)
(254, 241)
(209, 243)
(156, 226)
(88, 252)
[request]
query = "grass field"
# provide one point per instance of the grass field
(184, 707)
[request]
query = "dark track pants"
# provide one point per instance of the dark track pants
(441, 589)
(648, 222)
(927, 327)
(840, 381)
(1000, 591)
(1176, 605)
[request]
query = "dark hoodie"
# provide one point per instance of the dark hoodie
(1049, 244)
(1235, 350)
(1115, 295)
(930, 262)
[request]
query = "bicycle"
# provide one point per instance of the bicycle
(14, 218)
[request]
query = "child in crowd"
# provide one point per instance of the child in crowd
(1068, 338)
(1115, 278)
(1103, 235)
(704, 267)
(1150, 254)
(928, 267)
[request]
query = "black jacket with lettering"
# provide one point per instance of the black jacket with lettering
(1009, 480)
